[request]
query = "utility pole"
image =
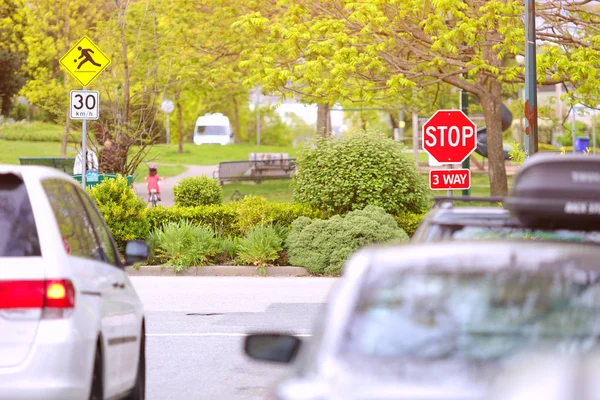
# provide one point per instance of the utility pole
(531, 107)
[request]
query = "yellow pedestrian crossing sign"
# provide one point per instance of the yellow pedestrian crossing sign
(85, 61)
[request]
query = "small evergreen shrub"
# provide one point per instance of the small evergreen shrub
(323, 246)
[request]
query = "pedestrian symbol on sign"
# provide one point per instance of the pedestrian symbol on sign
(86, 54)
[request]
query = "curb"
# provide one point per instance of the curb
(217, 270)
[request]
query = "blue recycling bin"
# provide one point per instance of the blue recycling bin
(581, 144)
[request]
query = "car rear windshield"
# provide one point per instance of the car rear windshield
(18, 233)
(212, 130)
(471, 233)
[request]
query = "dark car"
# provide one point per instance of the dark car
(440, 320)
(446, 222)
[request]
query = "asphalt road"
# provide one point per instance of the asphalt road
(196, 325)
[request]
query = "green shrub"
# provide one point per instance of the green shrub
(409, 222)
(219, 218)
(255, 211)
(183, 244)
(234, 218)
(228, 248)
(323, 246)
(124, 212)
(198, 191)
(261, 247)
(349, 172)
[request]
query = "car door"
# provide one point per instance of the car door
(131, 307)
(91, 273)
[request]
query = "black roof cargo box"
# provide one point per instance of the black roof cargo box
(553, 191)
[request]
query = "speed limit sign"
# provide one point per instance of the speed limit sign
(85, 104)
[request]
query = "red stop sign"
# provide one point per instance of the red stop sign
(449, 136)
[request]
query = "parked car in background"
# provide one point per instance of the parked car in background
(213, 129)
(554, 197)
(440, 320)
(71, 323)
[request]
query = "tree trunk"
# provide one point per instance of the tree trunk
(395, 125)
(323, 120)
(6, 103)
(236, 120)
(492, 103)
(180, 123)
(126, 95)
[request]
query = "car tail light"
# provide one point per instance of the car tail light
(48, 295)
(59, 294)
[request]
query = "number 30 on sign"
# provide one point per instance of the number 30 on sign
(85, 104)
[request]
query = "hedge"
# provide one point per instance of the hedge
(234, 219)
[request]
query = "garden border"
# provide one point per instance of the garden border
(218, 270)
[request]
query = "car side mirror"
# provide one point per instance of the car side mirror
(272, 347)
(136, 251)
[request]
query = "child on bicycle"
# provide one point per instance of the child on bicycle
(153, 179)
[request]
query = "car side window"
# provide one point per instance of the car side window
(102, 232)
(75, 226)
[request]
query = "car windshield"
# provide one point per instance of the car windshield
(212, 130)
(18, 233)
(473, 316)
(477, 232)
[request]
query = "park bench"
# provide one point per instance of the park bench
(259, 167)
(63, 164)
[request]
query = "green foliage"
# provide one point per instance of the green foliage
(36, 132)
(273, 131)
(260, 247)
(409, 222)
(234, 218)
(352, 171)
(228, 247)
(581, 129)
(255, 211)
(183, 244)
(123, 211)
(198, 191)
(517, 154)
(218, 217)
(323, 246)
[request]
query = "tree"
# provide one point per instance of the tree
(379, 49)
(51, 27)
(12, 51)
(131, 88)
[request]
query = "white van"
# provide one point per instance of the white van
(213, 129)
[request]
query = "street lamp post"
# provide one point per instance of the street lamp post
(531, 122)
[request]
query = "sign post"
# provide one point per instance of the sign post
(84, 62)
(168, 106)
(450, 137)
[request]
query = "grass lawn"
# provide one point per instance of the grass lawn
(210, 154)
(164, 171)
(10, 151)
(274, 190)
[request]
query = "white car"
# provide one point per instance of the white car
(71, 324)
(213, 129)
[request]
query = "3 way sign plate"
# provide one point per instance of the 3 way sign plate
(85, 104)
(450, 179)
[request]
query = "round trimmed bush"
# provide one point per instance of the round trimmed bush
(198, 191)
(349, 172)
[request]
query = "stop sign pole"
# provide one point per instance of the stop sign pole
(450, 137)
